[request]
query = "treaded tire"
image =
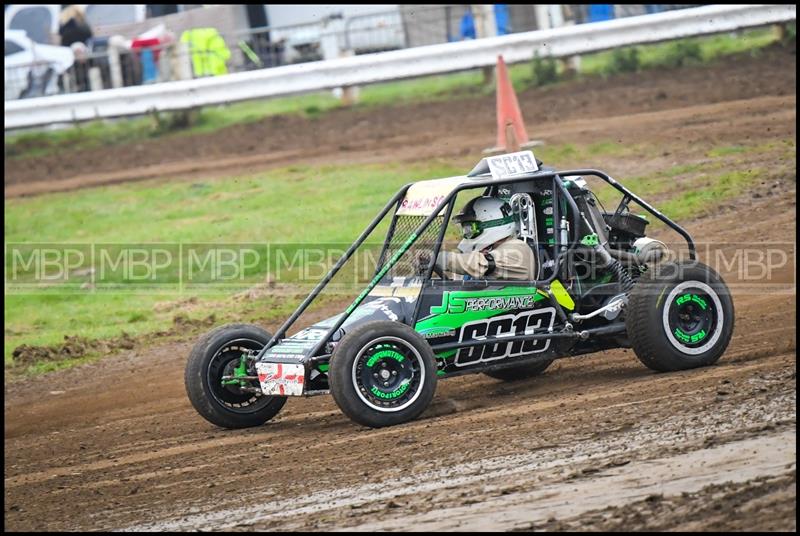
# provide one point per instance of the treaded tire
(522, 372)
(357, 366)
(219, 405)
(679, 316)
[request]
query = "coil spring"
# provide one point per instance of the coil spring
(621, 275)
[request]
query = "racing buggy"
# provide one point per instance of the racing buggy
(600, 283)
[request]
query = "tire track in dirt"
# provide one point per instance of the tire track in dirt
(503, 421)
(516, 472)
(609, 380)
(734, 462)
(765, 504)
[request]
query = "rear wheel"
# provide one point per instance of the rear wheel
(229, 403)
(680, 316)
(382, 373)
(521, 372)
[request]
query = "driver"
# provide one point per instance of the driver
(490, 247)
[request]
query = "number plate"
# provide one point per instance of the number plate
(281, 379)
(513, 164)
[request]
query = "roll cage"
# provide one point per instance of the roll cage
(477, 179)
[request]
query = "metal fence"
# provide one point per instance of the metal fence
(409, 26)
(562, 42)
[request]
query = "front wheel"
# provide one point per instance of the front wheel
(679, 316)
(229, 403)
(382, 373)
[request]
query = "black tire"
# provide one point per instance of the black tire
(213, 356)
(679, 316)
(382, 373)
(521, 372)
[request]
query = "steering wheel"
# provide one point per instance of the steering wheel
(423, 262)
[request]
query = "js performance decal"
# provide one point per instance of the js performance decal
(513, 302)
(526, 323)
(461, 302)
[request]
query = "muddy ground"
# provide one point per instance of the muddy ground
(598, 442)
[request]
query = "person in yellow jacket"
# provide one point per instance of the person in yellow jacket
(208, 50)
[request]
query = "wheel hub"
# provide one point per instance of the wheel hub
(692, 318)
(225, 362)
(387, 375)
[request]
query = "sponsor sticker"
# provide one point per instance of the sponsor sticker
(440, 332)
(423, 197)
(500, 303)
(281, 379)
(309, 334)
(278, 355)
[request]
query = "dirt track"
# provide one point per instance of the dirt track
(598, 442)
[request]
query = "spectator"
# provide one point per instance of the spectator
(73, 27)
(501, 16)
(80, 69)
(600, 12)
(501, 19)
(208, 50)
(467, 29)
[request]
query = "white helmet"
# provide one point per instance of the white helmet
(484, 221)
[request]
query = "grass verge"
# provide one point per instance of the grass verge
(291, 205)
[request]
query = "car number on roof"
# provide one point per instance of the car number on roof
(512, 164)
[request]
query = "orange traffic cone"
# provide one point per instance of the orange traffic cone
(511, 135)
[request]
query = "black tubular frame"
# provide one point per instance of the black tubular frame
(469, 184)
(389, 234)
(332, 272)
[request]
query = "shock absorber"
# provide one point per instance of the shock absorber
(613, 265)
(620, 272)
